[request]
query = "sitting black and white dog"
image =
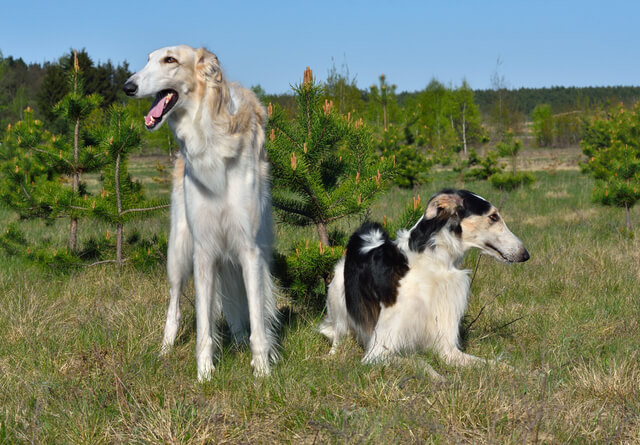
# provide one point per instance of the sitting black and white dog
(409, 294)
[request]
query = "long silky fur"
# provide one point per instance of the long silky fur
(422, 308)
(221, 224)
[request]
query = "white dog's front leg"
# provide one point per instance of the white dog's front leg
(173, 319)
(207, 312)
(377, 352)
(179, 257)
(253, 265)
(454, 356)
(179, 260)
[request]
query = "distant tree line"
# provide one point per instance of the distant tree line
(449, 117)
(560, 99)
(41, 86)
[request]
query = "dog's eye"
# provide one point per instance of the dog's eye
(494, 217)
(170, 59)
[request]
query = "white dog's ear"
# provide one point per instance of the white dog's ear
(207, 66)
(443, 202)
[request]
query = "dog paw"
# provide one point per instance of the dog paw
(205, 372)
(260, 367)
(165, 349)
(436, 377)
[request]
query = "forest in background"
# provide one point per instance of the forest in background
(439, 116)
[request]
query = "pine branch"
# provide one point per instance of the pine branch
(146, 209)
(24, 190)
(107, 262)
(289, 209)
(277, 127)
(319, 140)
(305, 187)
(52, 156)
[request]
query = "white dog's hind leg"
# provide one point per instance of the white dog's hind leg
(208, 308)
(271, 313)
(253, 267)
(335, 325)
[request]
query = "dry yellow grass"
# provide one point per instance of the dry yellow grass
(79, 356)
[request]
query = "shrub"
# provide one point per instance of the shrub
(306, 270)
(613, 146)
(483, 168)
(543, 125)
(511, 181)
(412, 166)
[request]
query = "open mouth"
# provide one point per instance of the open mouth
(164, 102)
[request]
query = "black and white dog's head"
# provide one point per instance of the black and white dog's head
(457, 220)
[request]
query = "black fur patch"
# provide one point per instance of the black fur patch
(371, 279)
(473, 204)
(424, 230)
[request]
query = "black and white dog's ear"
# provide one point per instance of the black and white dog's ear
(208, 66)
(443, 204)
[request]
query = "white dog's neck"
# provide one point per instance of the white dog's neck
(204, 138)
(195, 125)
(200, 128)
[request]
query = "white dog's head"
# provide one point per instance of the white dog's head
(176, 76)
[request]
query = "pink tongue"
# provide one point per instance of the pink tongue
(156, 111)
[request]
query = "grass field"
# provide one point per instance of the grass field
(79, 354)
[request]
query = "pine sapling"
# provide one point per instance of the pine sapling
(613, 147)
(38, 166)
(122, 198)
(74, 108)
(324, 167)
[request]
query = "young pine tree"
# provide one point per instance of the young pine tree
(385, 96)
(613, 147)
(28, 182)
(323, 164)
(42, 173)
(74, 108)
(510, 146)
(122, 198)
(543, 125)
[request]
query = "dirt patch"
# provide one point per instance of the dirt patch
(557, 195)
(535, 159)
(570, 217)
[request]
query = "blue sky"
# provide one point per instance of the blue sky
(540, 43)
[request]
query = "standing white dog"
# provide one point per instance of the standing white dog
(221, 227)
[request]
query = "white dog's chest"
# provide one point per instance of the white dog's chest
(215, 220)
(433, 291)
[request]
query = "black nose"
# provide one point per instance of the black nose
(525, 256)
(130, 88)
